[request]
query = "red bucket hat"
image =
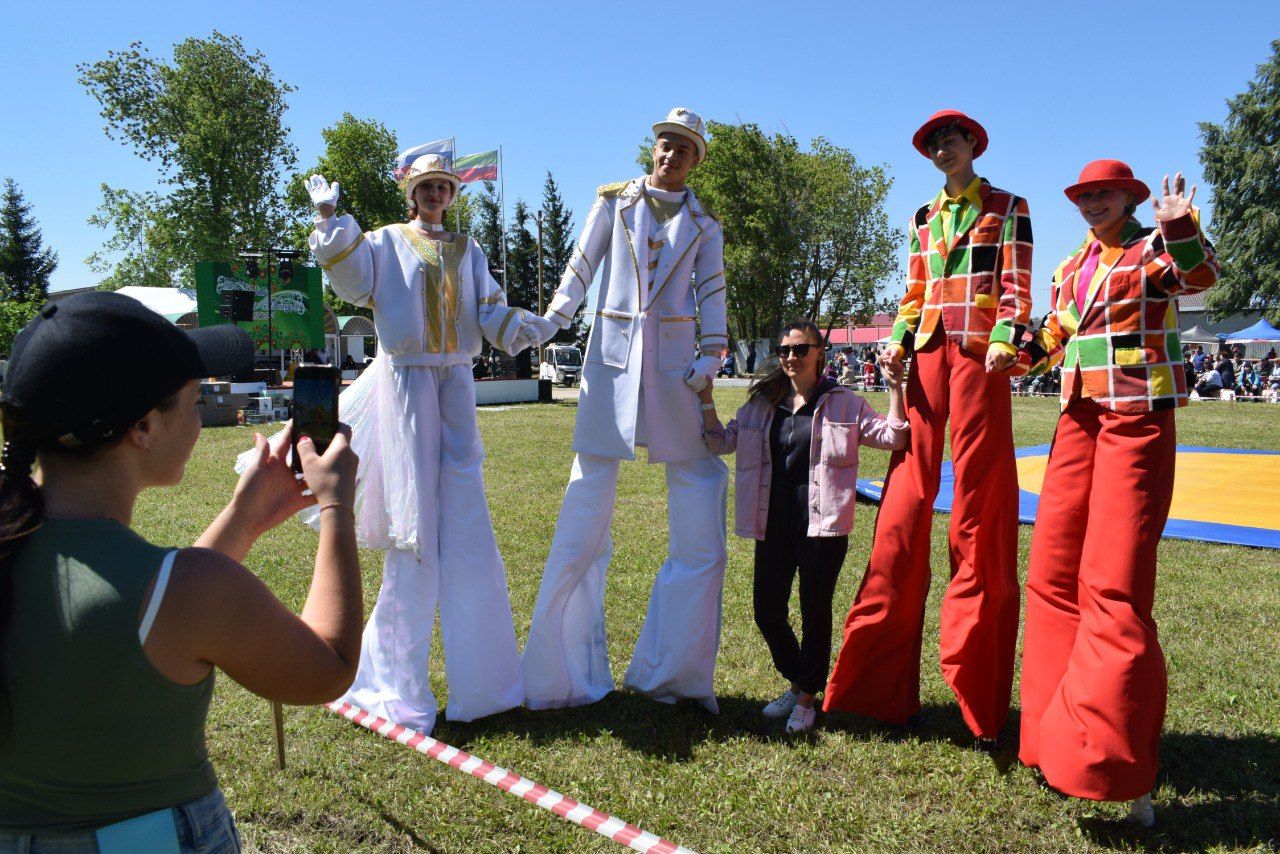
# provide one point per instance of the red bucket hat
(942, 118)
(1114, 174)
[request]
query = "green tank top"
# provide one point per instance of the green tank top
(94, 734)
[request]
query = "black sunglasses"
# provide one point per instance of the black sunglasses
(785, 350)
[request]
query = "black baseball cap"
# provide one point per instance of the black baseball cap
(88, 367)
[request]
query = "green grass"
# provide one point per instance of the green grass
(732, 782)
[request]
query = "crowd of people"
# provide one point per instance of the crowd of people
(1229, 371)
(114, 616)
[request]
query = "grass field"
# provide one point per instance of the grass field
(732, 782)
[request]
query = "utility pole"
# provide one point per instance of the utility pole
(541, 308)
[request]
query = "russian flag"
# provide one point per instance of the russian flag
(443, 147)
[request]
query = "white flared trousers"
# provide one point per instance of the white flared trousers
(566, 660)
(457, 568)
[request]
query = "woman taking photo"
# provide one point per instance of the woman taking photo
(799, 430)
(1093, 674)
(108, 643)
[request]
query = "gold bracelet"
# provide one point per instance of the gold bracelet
(337, 504)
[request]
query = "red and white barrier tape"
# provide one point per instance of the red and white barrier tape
(508, 781)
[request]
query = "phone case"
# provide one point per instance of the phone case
(155, 833)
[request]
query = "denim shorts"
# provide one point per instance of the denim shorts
(205, 826)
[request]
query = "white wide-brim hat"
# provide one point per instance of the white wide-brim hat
(429, 166)
(688, 124)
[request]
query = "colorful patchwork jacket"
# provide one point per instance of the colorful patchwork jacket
(1122, 348)
(977, 287)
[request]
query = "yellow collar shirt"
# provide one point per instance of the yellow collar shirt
(949, 207)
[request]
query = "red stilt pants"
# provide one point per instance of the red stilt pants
(877, 671)
(1093, 677)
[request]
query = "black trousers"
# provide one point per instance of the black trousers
(783, 552)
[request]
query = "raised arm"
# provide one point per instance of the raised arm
(1181, 260)
(342, 249)
(877, 431)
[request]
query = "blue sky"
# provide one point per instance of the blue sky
(574, 87)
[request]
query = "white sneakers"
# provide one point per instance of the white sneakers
(802, 718)
(1141, 811)
(782, 706)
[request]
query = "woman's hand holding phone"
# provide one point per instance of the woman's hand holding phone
(269, 491)
(331, 476)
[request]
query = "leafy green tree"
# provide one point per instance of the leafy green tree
(212, 120)
(806, 233)
(144, 246)
(1241, 159)
(849, 247)
(25, 262)
(14, 314)
(360, 155)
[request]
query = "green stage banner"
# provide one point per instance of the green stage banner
(297, 308)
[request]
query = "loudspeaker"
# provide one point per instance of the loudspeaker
(237, 306)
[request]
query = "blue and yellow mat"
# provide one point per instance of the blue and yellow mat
(1204, 478)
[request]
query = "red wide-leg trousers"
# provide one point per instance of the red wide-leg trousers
(1093, 675)
(877, 672)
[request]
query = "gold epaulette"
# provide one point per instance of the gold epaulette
(608, 190)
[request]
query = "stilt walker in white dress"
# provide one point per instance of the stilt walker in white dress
(413, 419)
(661, 264)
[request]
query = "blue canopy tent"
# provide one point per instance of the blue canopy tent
(1260, 331)
(1261, 334)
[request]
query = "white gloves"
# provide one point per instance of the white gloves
(701, 372)
(322, 192)
(525, 338)
(544, 329)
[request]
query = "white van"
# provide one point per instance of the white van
(561, 363)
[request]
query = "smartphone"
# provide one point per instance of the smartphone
(315, 407)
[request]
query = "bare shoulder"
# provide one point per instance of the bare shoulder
(207, 581)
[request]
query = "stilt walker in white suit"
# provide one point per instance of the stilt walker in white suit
(413, 419)
(661, 264)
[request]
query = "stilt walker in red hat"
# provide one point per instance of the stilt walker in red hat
(1093, 675)
(966, 308)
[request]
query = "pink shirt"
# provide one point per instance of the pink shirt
(842, 421)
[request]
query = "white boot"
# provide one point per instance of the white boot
(782, 706)
(1141, 811)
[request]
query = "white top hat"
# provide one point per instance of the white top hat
(429, 166)
(686, 123)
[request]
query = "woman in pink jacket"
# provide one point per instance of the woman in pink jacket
(797, 432)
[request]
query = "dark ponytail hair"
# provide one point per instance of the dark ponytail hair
(772, 387)
(21, 514)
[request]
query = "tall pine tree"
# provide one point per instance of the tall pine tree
(486, 226)
(522, 259)
(25, 262)
(557, 249)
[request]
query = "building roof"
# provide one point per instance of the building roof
(173, 303)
